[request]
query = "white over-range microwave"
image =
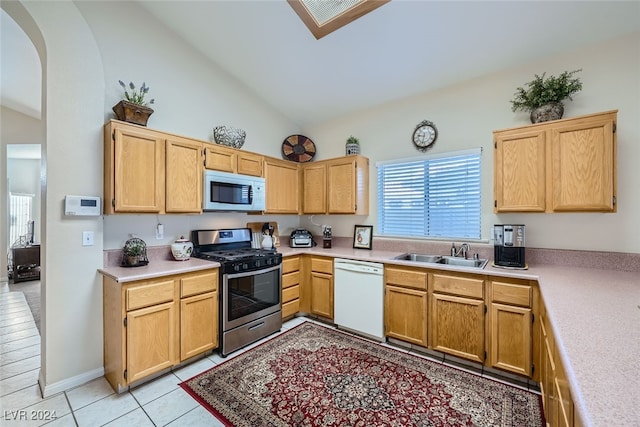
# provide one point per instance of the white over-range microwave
(232, 192)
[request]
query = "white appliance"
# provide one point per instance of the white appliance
(223, 191)
(358, 297)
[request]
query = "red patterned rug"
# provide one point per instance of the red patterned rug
(316, 376)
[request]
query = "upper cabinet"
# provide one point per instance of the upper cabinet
(150, 172)
(336, 186)
(565, 165)
(282, 186)
(228, 159)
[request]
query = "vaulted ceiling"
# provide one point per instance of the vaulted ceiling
(399, 49)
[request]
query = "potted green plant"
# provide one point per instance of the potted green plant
(352, 146)
(543, 97)
(134, 109)
(133, 251)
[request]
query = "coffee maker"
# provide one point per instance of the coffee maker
(508, 249)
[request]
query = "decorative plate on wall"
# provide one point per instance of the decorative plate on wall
(298, 148)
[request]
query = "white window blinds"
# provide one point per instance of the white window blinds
(438, 196)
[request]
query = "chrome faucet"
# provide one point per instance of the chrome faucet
(461, 251)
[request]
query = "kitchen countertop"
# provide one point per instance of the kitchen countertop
(594, 313)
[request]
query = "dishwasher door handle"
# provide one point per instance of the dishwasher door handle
(359, 268)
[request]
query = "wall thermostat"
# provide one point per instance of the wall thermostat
(82, 205)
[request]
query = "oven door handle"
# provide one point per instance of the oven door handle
(253, 272)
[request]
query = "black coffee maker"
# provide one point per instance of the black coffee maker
(508, 249)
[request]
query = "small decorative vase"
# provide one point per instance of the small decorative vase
(181, 249)
(352, 149)
(544, 113)
(132, 113)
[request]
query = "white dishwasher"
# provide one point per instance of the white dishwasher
(358, 297)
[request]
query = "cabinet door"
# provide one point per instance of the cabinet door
(183, 176)
(405, 314)
(249, 164)
(198, 324)
(314, 184)
(322, 294)
(519, 171)
(282, 186)
(341, 187)
(152, 340)
(511, 338)
(138, 171)
(457, 326)
(583, 166)
(220, 159)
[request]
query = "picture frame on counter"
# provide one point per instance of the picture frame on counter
(362, 236)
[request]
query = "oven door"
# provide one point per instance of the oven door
(250, 295)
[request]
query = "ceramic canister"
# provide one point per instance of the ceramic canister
(181, 249)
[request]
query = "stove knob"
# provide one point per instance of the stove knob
(245, 266)
(236, 267)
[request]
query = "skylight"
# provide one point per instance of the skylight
(325, 16)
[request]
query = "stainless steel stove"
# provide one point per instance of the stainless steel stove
(250, 288)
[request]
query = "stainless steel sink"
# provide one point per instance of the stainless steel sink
(419, 257)
(443, 259)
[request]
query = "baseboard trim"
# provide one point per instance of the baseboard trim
(49, 390)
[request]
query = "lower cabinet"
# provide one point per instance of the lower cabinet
(457, 324)
(321, 287)
(151, 325)
(290, 286)
(511, 326)
(405, 304)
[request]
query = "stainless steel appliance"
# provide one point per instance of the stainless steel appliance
(224, 191)
(301, 238)
(250, 288)
(509, 245)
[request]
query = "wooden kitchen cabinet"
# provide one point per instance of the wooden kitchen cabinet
(314, 184)
(282, 186)
(564, 165)
(147, 171)
(457, 319)
(290, 286)
(153, 324)
(511, 326)
(198, 313)
(321, 287)
(227, 159)
(336, 186)
(405, 304)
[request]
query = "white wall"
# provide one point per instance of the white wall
(466, 115)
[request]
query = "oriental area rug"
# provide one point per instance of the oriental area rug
(313, 375)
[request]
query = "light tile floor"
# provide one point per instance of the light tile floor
(160, 402)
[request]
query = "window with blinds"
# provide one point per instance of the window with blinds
(437, 196)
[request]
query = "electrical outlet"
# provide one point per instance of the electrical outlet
(87, 238)
(159, 232)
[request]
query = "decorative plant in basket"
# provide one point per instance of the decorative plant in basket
(134, 109)
(543, 96)
(134, 252)
(352, 146)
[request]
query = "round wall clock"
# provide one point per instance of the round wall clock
(298, 148)
(425, 135)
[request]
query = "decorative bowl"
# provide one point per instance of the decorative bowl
(229, 136)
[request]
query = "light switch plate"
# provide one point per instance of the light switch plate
(87, 238)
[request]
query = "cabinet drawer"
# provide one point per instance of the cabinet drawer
(322, 265)
(458, 285)
(150, 294)
(201, 283)
(415, 279)
(290, 279)
(290, 308)
(290, 264)
(290, 294)
(511, 293)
